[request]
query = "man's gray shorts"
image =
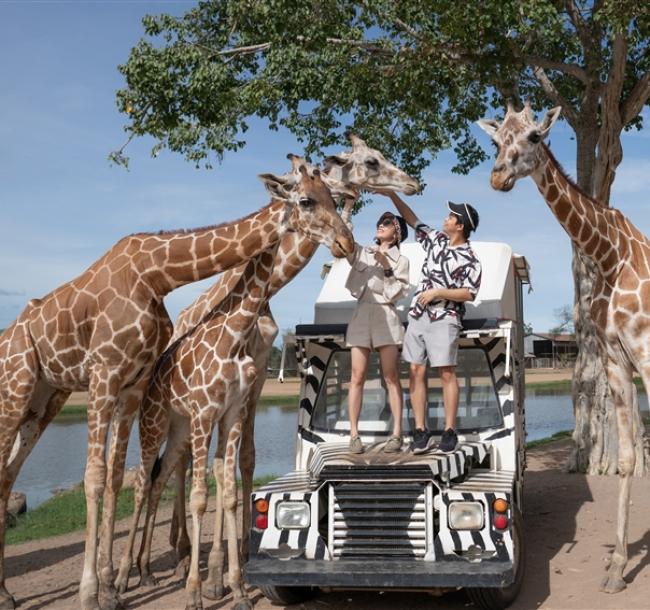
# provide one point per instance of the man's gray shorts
(435, 339)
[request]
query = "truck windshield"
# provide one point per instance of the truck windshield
(477, 408)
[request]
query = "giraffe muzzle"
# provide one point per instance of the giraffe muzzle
(342, 246)
(502, 182)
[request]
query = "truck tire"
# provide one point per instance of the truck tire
(498, 598)
(285, 596)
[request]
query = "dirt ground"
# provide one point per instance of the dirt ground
(569, 523)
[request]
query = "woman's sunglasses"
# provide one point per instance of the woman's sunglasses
(387, 222)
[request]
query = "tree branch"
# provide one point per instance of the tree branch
(256, 48)
(636, 99)
(571, 69)
(581, 27)
(550, 90)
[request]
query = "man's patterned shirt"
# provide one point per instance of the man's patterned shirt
(444, 267)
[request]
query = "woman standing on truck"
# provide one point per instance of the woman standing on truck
(378, 279)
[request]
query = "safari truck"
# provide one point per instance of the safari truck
(382, 521)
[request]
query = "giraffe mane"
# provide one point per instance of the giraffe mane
(568, 178)
(204, 228)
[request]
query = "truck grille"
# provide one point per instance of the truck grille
(380, 519)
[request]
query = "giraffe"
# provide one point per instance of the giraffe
(103, 331)
(362, 168)
(621, 303)
(202, 380)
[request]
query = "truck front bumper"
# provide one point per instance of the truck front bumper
(383, 574)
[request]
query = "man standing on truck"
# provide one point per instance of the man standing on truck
(451, 275)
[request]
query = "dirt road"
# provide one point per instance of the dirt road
(569, 519)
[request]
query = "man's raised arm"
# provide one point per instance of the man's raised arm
(404, 210)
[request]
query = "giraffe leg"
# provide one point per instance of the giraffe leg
(247, 469)
(177, 443)
(44, 405)
(213, 586)
(620, 381)
(103, 390)
(178, 536)
(18, 389)
(240, 599)
(151, 437)
(121, 429)
(201, 434)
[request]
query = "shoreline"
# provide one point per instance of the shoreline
(65, 512)
(287, 394)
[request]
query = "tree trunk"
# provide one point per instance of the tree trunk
(595, 435)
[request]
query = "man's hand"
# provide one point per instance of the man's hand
(424, 298)
(382, 260)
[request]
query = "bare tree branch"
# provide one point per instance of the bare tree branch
(371, 47)
(552, 92)
(616, 75)
(407, 28)
(636, 99)
(581, 27)
(548, 64)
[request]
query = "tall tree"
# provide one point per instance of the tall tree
(410, 76)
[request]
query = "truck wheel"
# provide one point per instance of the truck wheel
(492, 598)
(285, 596)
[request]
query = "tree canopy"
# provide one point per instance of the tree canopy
(408, 76)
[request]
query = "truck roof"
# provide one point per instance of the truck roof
(496, 299)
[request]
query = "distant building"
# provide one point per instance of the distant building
(550, 350)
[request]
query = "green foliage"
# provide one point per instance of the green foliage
(408, 76)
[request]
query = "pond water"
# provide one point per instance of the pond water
(58, 460)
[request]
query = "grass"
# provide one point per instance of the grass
(564, 385)
(66, 512)
(77, 413)
(558, 436)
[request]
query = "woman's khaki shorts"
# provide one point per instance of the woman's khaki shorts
(374, 325)
(436, 340)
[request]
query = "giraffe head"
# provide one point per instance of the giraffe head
(365, 168)
(339, 190)
(312, 210)
(518, 140)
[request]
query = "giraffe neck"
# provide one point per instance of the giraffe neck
(237, 314)
(175, 258)
(293, 254)
(295, 251)
(589, 224)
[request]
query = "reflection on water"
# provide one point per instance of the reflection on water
(58, 460)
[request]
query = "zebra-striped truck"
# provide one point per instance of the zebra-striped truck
(383, 521)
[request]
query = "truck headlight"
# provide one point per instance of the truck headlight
(466, 515)
(292, 515)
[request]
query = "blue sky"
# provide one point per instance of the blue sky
(63, 205)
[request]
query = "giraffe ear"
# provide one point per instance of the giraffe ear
(276, 186)
(489, 126)
(550, 118)
(334, 160)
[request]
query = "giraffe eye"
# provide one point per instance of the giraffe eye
(372, 162)
(306, 202)
(535, 137)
